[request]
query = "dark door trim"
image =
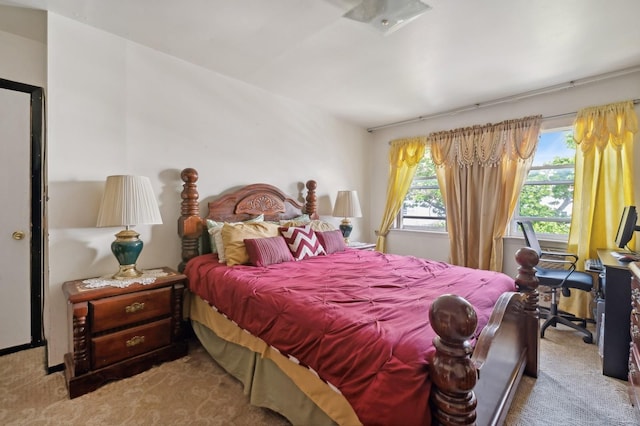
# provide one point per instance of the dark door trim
(37, 211)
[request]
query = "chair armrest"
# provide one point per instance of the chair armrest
(561, 254)
(558, 261)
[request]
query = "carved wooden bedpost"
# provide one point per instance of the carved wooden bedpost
(455, 371)
(527, 283)
(189, 224)
(452, 371)
(311, 204)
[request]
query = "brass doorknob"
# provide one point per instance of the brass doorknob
(18, 235)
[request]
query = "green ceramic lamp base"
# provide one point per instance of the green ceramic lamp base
(126, 248)
(346, 227)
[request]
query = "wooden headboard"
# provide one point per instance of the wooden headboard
(235, 206)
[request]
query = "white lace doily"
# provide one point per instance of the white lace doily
(148, 277)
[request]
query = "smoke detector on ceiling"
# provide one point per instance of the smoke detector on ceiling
(387, 15)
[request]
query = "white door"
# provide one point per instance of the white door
(15, 218)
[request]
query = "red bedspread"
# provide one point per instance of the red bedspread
(360, 319)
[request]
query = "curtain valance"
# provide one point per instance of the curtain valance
(486, 145)
(407, 151)
(612, 124)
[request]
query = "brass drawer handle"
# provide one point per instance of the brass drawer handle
(134, 341)
(134, 307)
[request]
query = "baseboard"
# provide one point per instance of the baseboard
(55, 368)
(19, 348)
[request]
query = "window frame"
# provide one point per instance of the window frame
(512, 228)
(399, 222)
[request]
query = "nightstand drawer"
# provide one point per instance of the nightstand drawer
(117, 311)
(120, 345)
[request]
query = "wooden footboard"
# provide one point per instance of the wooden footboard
(471, 385)
(476, 385)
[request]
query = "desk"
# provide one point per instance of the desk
(617, 311)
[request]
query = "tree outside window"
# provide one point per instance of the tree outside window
(547, 196)
(423, 207)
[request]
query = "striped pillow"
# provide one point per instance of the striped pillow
(332, 241)
(302, 241)
(267, 251)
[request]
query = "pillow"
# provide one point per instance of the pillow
(211, 226)
(216, 238)
(302, 241)
(301, 220)
(214, 228)
(316, 225)
(234, 234)
(321, 225)
(332, 241)
(267, 251)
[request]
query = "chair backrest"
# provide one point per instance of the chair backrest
(530, 235)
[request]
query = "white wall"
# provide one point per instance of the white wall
(23, 58)
(436, 246)
(116, 107)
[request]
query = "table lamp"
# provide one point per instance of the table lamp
(347, 206)
(128, 201)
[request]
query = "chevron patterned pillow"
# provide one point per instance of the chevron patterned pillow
(302, 241)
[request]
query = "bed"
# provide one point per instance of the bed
(348, 336)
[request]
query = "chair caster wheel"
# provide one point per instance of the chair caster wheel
(587, 339)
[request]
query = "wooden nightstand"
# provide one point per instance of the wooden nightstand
(120, 332)
(361, 246)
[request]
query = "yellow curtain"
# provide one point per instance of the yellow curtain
(480, 172)
(603, 184)
(404, 156)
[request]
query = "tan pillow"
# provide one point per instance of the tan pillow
(233, 236)
(316, 225)
(321, 225)
(215, 233)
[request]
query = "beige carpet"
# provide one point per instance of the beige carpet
(570, 391)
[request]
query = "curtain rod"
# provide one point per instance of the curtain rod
(567, 114)
(524, 95)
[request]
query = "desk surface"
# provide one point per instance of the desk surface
(610, 261)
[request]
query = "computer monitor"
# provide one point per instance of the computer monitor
(627, 226)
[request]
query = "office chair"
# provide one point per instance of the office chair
(562, 279)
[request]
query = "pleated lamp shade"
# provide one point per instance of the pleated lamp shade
(128, 201)
(347, 204)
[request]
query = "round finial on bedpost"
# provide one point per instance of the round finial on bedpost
(526, 279)
(189, 175)
(453, 373)
(311, 199)
(527, 259)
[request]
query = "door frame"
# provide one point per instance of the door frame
(37, 245)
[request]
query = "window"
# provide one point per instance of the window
(423, 207)
(546, 198)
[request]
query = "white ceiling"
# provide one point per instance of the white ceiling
(460, 53)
